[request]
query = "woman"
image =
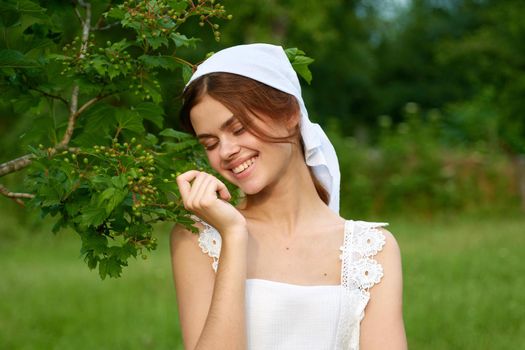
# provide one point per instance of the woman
(292, 273)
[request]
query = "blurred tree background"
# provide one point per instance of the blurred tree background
(423, 100)
(423, 97)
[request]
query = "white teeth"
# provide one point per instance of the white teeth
(240, 168)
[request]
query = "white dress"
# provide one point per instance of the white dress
(282, 316)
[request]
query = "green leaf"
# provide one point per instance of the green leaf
(129, 120)
(25, 7)
(91, 260)
(107, 194)
(116, 12)
(180, 146)
(152, 112)
(111, 198)
(156, 42)
(178, 135)
(292, 52)
(121, 45)
(119, 181)
(153, 91)
(93, 216)
(15, 59)
(152, 139)
(300, 63)
(178, 5)
(111, 267)
(100, 65)
(182, 40)
(166, 62)
(187, 72)
(93, 242)
(113, 72)
(100, 117)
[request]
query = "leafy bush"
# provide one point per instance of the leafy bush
(412, 167)
(87, 76)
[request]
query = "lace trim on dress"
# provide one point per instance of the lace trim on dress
(210, 242)
(359, 270)
(359, 273)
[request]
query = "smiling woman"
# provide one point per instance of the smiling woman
(266, 112)
(282, 270)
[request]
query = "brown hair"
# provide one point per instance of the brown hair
(245, 97)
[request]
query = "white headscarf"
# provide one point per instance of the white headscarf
(269, 64)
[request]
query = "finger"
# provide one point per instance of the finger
(196, 188)
(223, 191)
(217, 188)
(184, 182)
(209, 194)
(205, 191)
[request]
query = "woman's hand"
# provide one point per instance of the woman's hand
(206, 196)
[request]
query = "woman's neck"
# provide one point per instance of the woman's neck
(290, 203)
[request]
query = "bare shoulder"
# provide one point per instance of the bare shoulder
(185, 248)
(383, 326)
(391, 250)
(194, 281)
(180, 233)
(389, 257)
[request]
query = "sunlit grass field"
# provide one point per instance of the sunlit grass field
(464, 289)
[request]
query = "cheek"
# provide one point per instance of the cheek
(213, 159)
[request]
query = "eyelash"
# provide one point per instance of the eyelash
(238, 131)
(209, 148)
(235, 132)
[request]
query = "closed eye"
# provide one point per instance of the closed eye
(210, 147)
(209, 143)
(238, 131)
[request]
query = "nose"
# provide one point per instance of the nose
(228, 148)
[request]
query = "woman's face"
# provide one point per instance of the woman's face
(243, 159)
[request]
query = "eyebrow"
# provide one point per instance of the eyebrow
(224, 126)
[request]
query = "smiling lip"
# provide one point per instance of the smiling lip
(244, 165)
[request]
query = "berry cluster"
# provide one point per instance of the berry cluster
(154, 20)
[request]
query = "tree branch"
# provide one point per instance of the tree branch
(86, 26)
(73, 118)
(15, 164)
(73, 107)
(106, 27)
(15, 196)
(56, 97)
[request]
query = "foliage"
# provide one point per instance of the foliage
(95, 98)
(417, 167)
(91, 101)
(112, 196)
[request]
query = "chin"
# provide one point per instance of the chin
(249, 189)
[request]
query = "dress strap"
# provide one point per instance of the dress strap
(210, 242)
(359, 272)
(362, 241)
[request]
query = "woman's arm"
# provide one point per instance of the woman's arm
(382, 327)
(211, 308)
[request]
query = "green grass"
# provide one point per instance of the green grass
(464, 282)
(49, 299)
(464, 289)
